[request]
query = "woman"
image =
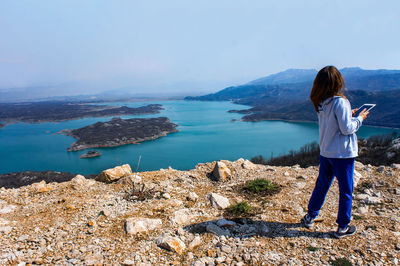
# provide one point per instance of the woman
(338, 147)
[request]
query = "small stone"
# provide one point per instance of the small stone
(248, 165)
(192, 196)
(195, 242)
(182, 216)
(211, 253)
(225, 223)
(166, 195)
(218, 201)
(91, 223)
(362, 210)
(215, 229)
(94, 259)
(221, 172)
(172, 244)
(78, 180)
(358, 165)
(286, 174)
(226, 249)
(7, 209)
(139, 225)
(128, 262)
(381, 169)
(396, 165)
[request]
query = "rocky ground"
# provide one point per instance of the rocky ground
(179, 217)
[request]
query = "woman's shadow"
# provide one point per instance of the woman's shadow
(246, 228)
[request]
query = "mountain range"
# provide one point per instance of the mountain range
(284, 95)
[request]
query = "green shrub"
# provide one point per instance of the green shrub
(260, 185)
(311, 248)
(341, 262)
(240, 208)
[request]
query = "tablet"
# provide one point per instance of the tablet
(367, 106)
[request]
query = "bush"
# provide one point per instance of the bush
(341, 262)
(240, 208)
(260, 185)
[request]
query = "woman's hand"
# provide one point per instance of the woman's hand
(354, 111)
(364, 113)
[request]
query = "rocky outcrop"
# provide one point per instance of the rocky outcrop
(86, 222)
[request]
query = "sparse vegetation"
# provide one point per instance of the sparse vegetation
(308, 155)
(341, 262)
(240, 208)
(312, 249)
(375, 150)
(260, 185)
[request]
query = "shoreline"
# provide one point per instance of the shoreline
(313, 122)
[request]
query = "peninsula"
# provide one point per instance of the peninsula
(55, 111)
(117, 132)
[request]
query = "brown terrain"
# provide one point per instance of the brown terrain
(181, 218)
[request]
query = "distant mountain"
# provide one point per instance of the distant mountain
(285, 95)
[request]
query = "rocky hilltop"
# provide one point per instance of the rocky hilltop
(117, 132)
(186, 218)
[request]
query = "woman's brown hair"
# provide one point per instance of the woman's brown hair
(328, 83)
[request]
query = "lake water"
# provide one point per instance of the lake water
(206, 133)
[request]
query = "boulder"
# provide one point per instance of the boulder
(221, 172)
(113, 174)
(218, 201)
(137, 225)
(172, 244)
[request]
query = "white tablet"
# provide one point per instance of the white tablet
(367, 106)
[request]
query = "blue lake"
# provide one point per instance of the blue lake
(206, 133)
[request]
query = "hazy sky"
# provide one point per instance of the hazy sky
(184, 46)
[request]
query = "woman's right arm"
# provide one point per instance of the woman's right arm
(346, 122)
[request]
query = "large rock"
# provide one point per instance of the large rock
(218, 201)
(221, 172)
(113, 174)
(172, 244)
(137, 225)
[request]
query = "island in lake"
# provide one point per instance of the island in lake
(90, 154)
(117, 132)
(37, 112)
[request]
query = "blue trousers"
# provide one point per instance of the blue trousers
(343, 169)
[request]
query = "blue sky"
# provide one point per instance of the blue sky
(187, 46)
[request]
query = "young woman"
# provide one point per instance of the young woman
(338, 145)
